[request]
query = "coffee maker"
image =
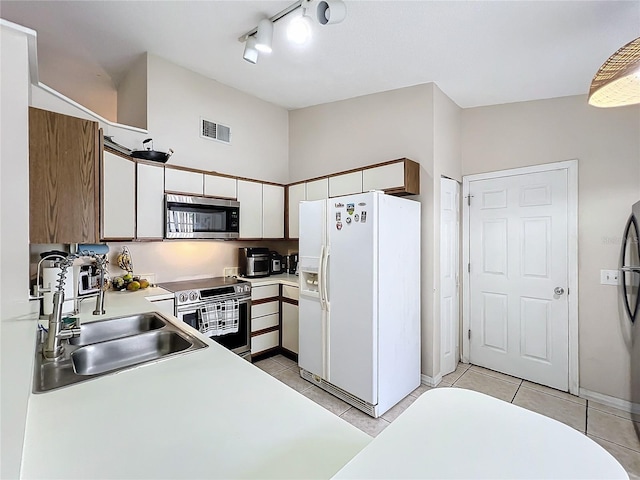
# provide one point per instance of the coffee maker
(290, 263)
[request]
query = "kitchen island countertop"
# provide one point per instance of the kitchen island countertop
(205, 414)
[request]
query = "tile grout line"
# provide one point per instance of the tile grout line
(615, 443)
(516, 392)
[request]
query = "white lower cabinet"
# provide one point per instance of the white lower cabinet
(290, 318)
(118, 197)
(163, 306)
(290, 327)
(265, 318)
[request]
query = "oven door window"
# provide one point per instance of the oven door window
(240, 339)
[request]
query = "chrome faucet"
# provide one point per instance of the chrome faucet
(53, 348)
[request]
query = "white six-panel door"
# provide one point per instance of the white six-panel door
(449, 276)
(518, 279)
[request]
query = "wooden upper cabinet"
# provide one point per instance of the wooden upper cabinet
(64, 201)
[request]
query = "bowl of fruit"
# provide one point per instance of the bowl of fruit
(129, 283)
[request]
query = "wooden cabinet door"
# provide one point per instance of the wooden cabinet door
(296, 195)
(272, 211)
(221, 187)
(345, 184)
(150, 215)
(183, 181)
(290, 327)
(250, 198)
(118, 197)
(64, 200)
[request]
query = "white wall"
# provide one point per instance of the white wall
(132, 95)
(607, 144)
(17, 327)
(176, 260)
(328, 138)
(447, 161)
(178, 97)
(89, 85)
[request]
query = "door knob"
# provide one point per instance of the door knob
(558, 290)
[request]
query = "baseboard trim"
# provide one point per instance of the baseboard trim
(430, 381)
(610, 401)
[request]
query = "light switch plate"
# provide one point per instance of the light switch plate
(609, 277)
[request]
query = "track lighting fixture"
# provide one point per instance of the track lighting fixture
(259, 39)
(331, 11)
(250, 50)
(264, 36)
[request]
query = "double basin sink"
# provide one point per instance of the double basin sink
(110, 346)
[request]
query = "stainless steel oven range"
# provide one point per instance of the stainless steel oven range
(217, 307)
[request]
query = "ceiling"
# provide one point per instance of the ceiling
(477, 52)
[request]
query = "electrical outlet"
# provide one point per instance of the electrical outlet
(230, 272)
(609, 277)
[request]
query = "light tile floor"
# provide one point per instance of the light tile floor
(610, 427)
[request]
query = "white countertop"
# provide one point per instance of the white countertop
(205, 414)
(281, 278)
(458, 433)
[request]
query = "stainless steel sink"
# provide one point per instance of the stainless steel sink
(110, 346)
(113, 328)
(126, 352)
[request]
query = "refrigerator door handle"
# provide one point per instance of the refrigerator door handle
(323, 305)
(630, 240)
(324, 294)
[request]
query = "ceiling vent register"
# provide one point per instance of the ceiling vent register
(215, 131)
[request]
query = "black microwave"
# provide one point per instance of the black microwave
(198, 217)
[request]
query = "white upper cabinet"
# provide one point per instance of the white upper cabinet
(183, 181)
(345, 184)
(384, 177)
(118, 197)
(317, 189)
(272, 211)
(222, 187)
(296, 195)
(150, 206)
(250, 198)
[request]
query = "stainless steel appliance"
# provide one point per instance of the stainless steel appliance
(290, 263)
(199, 217)
(276, 265)
(254, 262)
(88, 280)
(217, 307)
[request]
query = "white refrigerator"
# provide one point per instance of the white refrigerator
(359, 305)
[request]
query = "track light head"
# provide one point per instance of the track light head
(250, 51)
(264, 36)
(331, 11)
(299, 30)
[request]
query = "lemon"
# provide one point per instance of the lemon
(133, 286)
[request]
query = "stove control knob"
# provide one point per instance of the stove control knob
(183, 297)
(193, 295)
